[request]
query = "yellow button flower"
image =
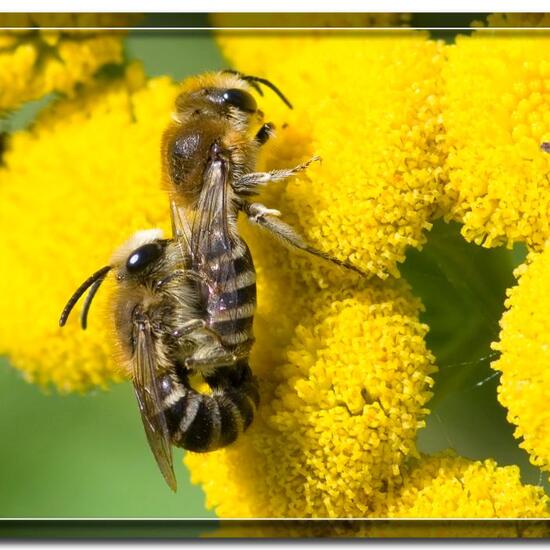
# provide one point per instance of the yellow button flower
(525, 347)
(440, 486)
(497, 92)
(449, 486)
(35, 63)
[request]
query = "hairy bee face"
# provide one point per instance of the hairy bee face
(216, 102)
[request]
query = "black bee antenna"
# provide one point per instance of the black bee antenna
(88, 302)
(240, 75)
(255, 80)
(93, 281)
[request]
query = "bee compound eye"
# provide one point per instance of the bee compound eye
(240, 99)
(143, 256)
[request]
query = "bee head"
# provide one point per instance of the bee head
(140, 257)
(226, 94)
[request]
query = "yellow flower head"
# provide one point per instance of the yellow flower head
(525, 346)
(497, 92)
(449, 486)
(35, 63)
(440, 486)
(375, 124)
(75, 186)
(344, 377)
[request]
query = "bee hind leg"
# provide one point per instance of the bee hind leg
(268, 219)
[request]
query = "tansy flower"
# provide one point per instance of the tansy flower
(525, 346)
(341, 359)
(440, 486)
(375, 123)
(448, 486)
(34, 63)
(495, 102)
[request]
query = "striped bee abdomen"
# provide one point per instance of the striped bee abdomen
(205, 422)
(231, 304)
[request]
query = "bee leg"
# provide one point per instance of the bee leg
(249, 183)
(189, 327)
(220, 358)
(264, 133)
(269, 220)
(197, 331)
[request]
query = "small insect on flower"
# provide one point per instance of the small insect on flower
(545, 146)
(159, 319)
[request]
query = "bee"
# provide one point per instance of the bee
(159, 319)
(545, 146)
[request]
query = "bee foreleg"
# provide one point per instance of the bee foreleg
(249, 183)
(268, 220)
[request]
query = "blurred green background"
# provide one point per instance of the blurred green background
(86, 456)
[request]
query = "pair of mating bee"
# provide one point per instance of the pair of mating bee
(184, 306)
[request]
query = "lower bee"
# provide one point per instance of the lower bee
(161, 325)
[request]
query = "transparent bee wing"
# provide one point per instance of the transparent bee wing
(150, 402)
(181, 227)
(212, 242)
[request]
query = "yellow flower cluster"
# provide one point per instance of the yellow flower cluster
(448, 486)
(343, 364)
(376, 125)
(407, 129)
(525, 382)
(34, 63)
(440, 486)
(497, 92)
(496, 116)
(74, 187)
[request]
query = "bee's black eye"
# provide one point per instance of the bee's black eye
(240, 99)
(143, 256)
